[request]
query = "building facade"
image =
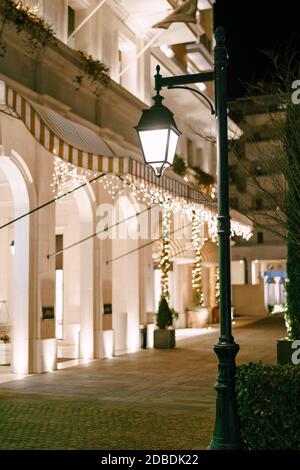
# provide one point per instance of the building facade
(259, 267)
(83, 220)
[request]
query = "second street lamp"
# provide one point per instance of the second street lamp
(158, 136)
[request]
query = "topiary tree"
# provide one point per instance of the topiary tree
(164, 315)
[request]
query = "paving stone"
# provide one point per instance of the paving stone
(149, 400)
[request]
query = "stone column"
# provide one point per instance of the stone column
(125, 282)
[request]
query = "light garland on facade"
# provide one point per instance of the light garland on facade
(240, 230)
(67, 177)
(165, 254)
(197, 227)
(113, 185)
(236, 228)
(150, 194)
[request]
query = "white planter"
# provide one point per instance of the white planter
(107, 344)
(5, 353)
(49, 354)
(198, 317)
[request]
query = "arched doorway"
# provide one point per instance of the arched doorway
(125, 277)
(74, 295)
(15, 250)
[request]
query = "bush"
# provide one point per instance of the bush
(269, 406)
(164, 315)
(179, 165)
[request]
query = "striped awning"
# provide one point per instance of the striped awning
(63, 138)
(82, 147)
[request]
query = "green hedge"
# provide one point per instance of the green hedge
(268, 399)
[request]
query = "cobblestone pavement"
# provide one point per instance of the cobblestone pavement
(153, 399)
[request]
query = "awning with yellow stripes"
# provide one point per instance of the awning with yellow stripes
(82, 147)
(65, 139)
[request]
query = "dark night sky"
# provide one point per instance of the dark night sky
(253, 26)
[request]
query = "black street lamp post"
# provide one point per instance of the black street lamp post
(226, 433)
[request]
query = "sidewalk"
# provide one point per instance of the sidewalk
(153, 399)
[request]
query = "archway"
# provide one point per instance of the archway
(18, 299)
(125, 277)
(75, 222)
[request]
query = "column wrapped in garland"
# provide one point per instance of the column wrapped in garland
(197, 269)
(165, 254)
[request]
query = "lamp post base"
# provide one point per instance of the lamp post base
(226, 433)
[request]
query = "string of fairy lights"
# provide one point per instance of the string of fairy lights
(67, 176)
(164, 263)
(197, 239)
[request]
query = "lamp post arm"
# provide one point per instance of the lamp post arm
(161, 82)
(171, 87)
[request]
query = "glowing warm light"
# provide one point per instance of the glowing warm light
(150, 335)
(108, 344)
(167, 51)
(20, 364)
(165, 254)
(86, 344)
(67, 177)
(197, 228)
(158, 135)
(155, 145)
(59, 303)
(49, 354)
(2, 92)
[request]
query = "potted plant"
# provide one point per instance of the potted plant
(164, 335)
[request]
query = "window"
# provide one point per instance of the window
(199, 157)
(107, 309)
(71, 20)
(190, 152)
(260, 237)
(127, 64)
(258, 204)
(258, 170)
